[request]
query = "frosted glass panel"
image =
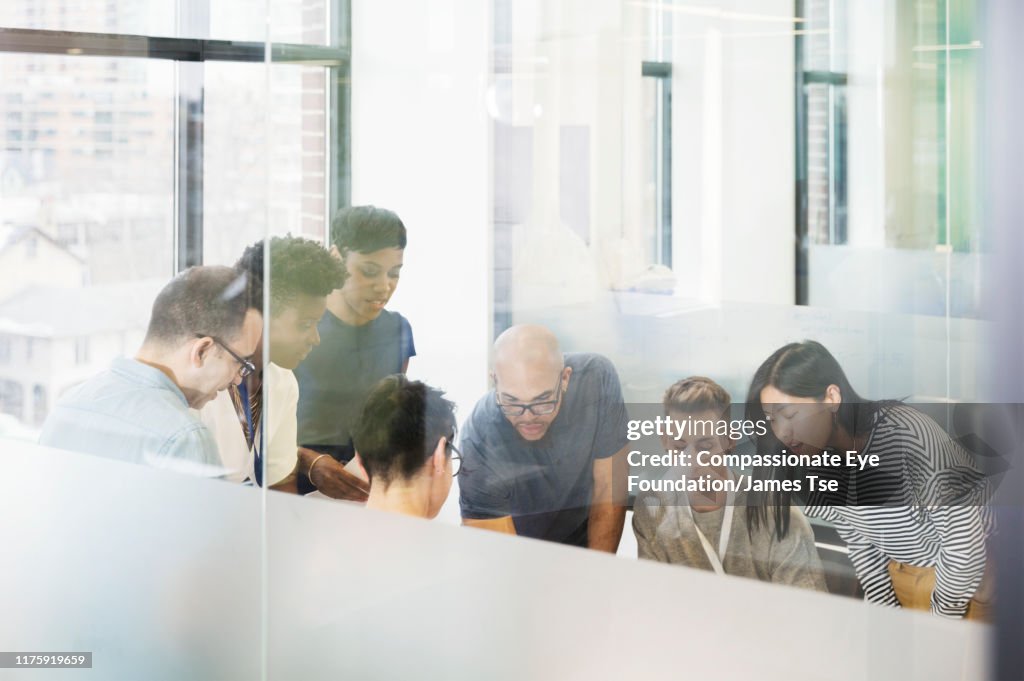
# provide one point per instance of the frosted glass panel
(360, 594)
(157, 574)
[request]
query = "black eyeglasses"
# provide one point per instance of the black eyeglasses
(456, 459)
(247, 368)
(536, 408)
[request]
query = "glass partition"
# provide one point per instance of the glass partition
(823, 187)
(622, 194)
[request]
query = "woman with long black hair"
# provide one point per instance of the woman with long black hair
(916, 524)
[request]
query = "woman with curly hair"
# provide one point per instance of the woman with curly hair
(301, 275)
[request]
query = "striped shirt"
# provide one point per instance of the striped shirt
(927, 508)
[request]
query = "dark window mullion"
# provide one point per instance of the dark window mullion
(800, 292)
(662, 72)
(188, 161)
(37, 41)
(194, 19)
(339, 116)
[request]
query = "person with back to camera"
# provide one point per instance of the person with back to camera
(916, 525)
(710, 531)
(404, 442)
(360, 343)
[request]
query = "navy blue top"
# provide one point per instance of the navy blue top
(547, 485)
(336, 377)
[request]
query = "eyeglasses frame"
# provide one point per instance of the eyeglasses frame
(455, 456)
(523, 408)
(246, 369)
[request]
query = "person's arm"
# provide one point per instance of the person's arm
(330, 477)
(408, 344)
(608, 502)
(871, 566)
(483, 496)
(961, 563)
(503, 524)
(289, 484)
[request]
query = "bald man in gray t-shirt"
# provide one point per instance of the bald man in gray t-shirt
(540, 449)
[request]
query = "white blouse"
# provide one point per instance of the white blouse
(281, 428)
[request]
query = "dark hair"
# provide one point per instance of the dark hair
(207, 299)
(297, 267)
(366, 229)
(804, 369)
(400, 426)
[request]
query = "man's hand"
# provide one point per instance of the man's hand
(330, 477)
(503, 524)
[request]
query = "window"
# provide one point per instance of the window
(821, 131)
(901, 201)
(658, 192)
(39, 407)
(156, 152)
(11, 398)
(5, 349)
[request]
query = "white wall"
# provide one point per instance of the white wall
(577, 63)
(866, 144)
(420, 147)
(733, 151)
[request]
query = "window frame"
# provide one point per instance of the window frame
(189, 54)
(661, 71)
(803, 77)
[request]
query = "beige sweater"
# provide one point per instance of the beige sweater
(665, 532)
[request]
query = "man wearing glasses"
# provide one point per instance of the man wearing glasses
(541, 448)
(202, 332)
(257, 443)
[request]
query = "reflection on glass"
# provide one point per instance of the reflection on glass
(86, 213)
(871, 226)
(890, 147)
(251, 177)
(254, 422)
(138, 17)
(291, 21)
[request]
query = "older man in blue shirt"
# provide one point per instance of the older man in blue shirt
(204, 326)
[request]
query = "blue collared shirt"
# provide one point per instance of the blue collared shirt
(133, 412)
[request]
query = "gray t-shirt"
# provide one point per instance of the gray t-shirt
(545, 486)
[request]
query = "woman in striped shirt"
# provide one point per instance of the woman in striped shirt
(915, 524)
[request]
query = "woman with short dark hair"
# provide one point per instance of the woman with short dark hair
(404, 443)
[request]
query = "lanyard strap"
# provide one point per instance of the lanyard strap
(716, 559)
(257, 441)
